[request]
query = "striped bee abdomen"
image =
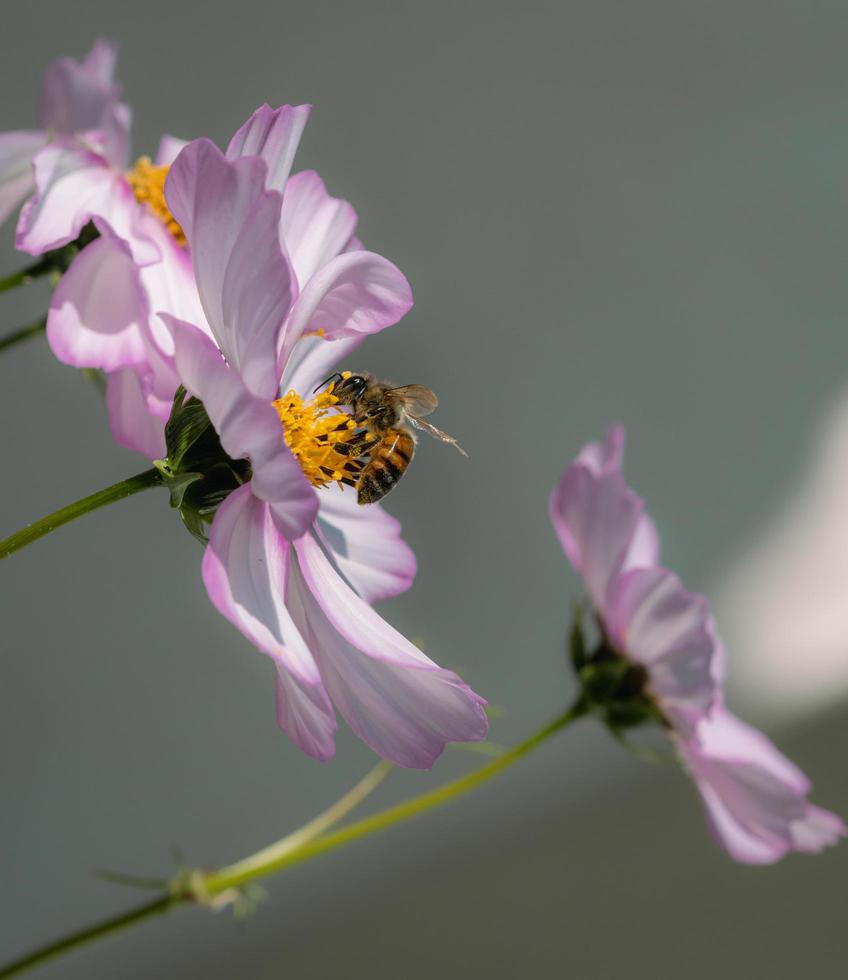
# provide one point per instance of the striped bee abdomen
(387, 464)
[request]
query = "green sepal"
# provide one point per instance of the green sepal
(197, 471)
(601, 678)
(186, 424)
(642, 752)
(630, 713)
(577, 641)
(177, 483)
(195, 524)
(612, 686)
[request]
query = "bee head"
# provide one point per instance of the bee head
(347, 387)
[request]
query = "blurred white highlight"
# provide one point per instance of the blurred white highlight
(783, 608)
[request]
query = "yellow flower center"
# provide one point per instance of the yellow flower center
(148, 185)
(319, 436)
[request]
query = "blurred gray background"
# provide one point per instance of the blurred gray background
(608, 211)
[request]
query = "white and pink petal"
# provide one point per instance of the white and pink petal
(246, 569)
(365, 544)
(606, 456)
(305, 714)
(652, 620)
(312, 361)
(17, 150)
(74, 185)
(273, 135)
(596, 517)
(316, 227)
(169, 149)
(131, 420)
(756, 804)
(393, 697)
(626, 538)
(247, 426)
(244, 280)
(98, 311)
(75, 96)
(353, 295)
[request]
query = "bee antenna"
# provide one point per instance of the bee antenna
(324, 384)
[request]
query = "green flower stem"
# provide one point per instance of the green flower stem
(105, 928)
(309, 841)
(118, 491)
(189, 888)
(23, 333)
(236, 875)
(257, 864)
(43, 267)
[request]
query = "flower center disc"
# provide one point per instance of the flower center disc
(148, 184)
(319, 437)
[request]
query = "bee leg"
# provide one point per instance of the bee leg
(380, 418)
(359, 445)
(353, 472)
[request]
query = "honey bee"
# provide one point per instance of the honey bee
(387, 416)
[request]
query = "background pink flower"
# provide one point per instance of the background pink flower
(646, 613)
(75, 97)
(756, 799)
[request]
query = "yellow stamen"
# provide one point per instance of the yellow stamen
(148, 185)
(313, 431)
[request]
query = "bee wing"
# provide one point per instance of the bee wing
(433, 431)
(416, 399)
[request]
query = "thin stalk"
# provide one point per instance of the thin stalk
(74, 940)
(241, 873)
(180, 891)
(23, 333)
(199, 888)
(253, 866)
(43, 267)
(118, 491)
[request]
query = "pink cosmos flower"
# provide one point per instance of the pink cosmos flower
(756, 800)
(102, 312)
(614, 545)
(292, 561)
(75, 98)
(79, 171)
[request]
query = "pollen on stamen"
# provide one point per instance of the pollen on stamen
(148, 184)
(315, 431)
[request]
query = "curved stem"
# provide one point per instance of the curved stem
(199, 888)
(255, 866)
(157, 906)
(244, 871)
(118, 491)
(23, 333)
